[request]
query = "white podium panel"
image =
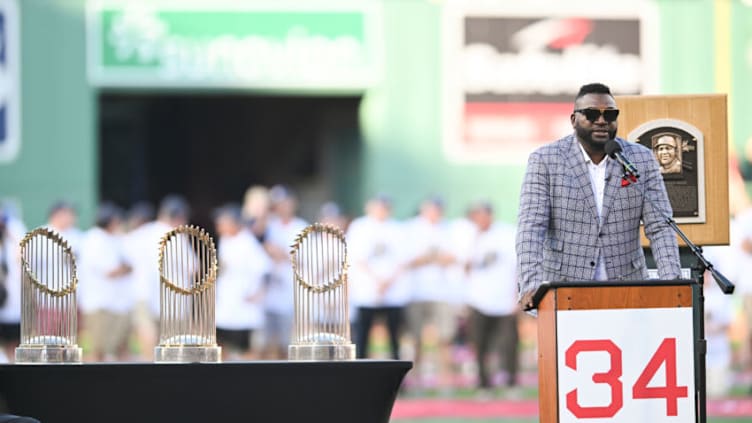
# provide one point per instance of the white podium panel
(626, 365)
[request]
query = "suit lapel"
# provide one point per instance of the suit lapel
(581, 176)
(613, 183)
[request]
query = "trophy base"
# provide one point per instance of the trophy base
(187, 354)
(321, 352)
(48, 354)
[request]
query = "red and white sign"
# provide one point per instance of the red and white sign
(626, 365)
(511, 69)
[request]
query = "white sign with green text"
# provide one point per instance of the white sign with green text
(270, 45)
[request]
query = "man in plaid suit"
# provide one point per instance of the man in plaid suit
(579, 216)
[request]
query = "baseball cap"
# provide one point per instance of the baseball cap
(665, 139)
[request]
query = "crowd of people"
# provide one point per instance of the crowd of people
(431, 281)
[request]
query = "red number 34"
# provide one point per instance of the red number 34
(666, 353)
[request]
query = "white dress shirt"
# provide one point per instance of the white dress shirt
(598, 182)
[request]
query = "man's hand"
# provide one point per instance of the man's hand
(526, 301)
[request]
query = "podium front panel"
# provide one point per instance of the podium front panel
(618, 353)
(626, 365)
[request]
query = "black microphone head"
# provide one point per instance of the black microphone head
(612, 147)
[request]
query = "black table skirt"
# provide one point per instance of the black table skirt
(361, 391)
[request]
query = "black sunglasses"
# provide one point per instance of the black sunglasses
(609, 115)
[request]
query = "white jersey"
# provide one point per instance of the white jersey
(429, 282)
(102, 253)
(74, 237)
(738, 260)
(279, 292)
(719, 313)
(462, 235)
(11, 255)
(492, 281)
(142, 249)
(376, 251)
(243, 263)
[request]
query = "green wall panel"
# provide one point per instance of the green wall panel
(57, 157)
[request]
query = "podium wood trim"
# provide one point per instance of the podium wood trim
(623, 297)
(547, 372)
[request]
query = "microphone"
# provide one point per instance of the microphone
(613, 149)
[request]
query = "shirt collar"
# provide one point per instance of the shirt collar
(588, 160)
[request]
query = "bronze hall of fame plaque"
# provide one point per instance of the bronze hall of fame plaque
(678, 149)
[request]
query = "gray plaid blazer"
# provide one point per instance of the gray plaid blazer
(559, 235)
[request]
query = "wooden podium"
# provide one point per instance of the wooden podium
(620, 351)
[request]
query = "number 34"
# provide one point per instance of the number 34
(666, 353)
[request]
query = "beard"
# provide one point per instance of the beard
(586, 135)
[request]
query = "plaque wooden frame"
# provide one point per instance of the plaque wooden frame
(708, 113)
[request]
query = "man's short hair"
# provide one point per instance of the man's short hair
(60, 205)
(382, 198)
(662, 139)
(229, 210)
(480, 205)
(280, 192)
(174, 206)
(142, 211)
(435, 200)
(106, 213)
(594, 88)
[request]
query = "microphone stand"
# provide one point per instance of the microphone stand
(727, 287)
(702, 265)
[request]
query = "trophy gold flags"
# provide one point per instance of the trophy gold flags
(321, 329)
(187, 276)
(48, 300)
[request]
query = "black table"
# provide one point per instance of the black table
(361, 391)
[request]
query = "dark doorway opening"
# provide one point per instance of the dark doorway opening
(212, 147)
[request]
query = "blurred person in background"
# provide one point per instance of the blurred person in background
(11, 233)
(283, 227)
(462, 236)
(256, 209)
(62, 218)
(106, 291)
(741, 239)
(138, 219)
(719, 314)
(492, 296)
(243, 267)
(331, 214)
(377, 285)
(431, 313)
(139, 215)
(143, 247)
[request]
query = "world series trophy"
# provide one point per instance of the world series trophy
(321, 329)
(187, 273)
(48, 300)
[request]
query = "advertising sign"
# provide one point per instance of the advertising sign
(626, 365)
(10, 85)
(512, 70)
(256, 44)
